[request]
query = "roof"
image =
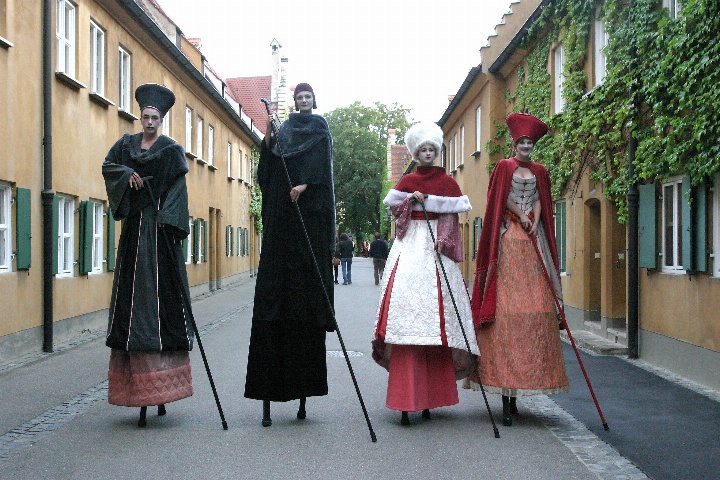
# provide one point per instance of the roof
(248, 91)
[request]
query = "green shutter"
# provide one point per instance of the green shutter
(185, 245)
(646, 226)
(228, 240)
(196, 240)
(700, 219)
(687, 226)
(23, 230)
(55, 232)
(86, 235)
(205, 240)
(110, 241)
(561, 233)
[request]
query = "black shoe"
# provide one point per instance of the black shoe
(426, 414)
(404, 420)
(336, 282)
(161, 410)
(143, 413)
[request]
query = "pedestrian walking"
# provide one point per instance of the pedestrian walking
(149, 329)
(345, 247)
(417, 335)
(513, 305)
(291, 315)
(379, 253)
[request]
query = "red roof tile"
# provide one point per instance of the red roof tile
(248, 91)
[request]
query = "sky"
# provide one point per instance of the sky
(411, 52)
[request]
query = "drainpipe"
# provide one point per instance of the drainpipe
(47, 194)
(633, 200)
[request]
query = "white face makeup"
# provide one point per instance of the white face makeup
(426, 155)
(304, 101)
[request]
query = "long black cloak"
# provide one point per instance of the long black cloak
(291, 314)
(147, 313)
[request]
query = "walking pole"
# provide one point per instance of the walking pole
(561, 311)
(275, 129)
(462, 328)
(188, 309)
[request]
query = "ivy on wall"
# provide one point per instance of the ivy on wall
(256, 193)
(673, 65)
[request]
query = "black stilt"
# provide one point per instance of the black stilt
(513, 405)
(404, 420)
(143, 414)
(507, 419)
(161, 410)
(266, 421)
(301, 410)
(426, 414)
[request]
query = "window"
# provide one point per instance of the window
(240, 233)
(672, 247)
(561, 234)
(199, 240)
(211, 145)
(188, 244)
(716, 226)
(228, 240)
(601, 41)
(559, 78)
(5, 228)
(673, 7)
(229, 159)
(199, 137)
(461, 151)
(124, 98)
(188, 129)
(97, 59)
(166, 123)
(478, 123)
(3, 20)
(248, 176)
(97, 239)
(241, 166)
(455, 151)
(65, 33)
(66, 236)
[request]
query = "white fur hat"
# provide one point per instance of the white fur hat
(422, 133)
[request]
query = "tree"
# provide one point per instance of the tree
(360, 136)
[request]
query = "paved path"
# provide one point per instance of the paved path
(56, 423)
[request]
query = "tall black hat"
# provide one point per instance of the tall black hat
(155, 96)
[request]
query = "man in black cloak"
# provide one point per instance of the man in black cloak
(148, 328)
(291, 314)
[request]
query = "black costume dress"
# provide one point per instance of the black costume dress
(149, 328)
(291, 314)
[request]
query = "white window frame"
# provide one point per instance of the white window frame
(189, 255)
(200, 257)
(167, 122)
(211, 145)
(241, 166)
(559, 62)
(124, 80)
(673, 7)
(716, 226)
(229, 160)
(461, 155)
(675, 263)
(199, 136)
(97, 59)
(602, 38)
(248, 172)
(65, 35)
(188, 128)
(239, 236)
(478, 124)
(5, 227)
(228, 240)
(97, 242)
(455, 148)
(66, 236)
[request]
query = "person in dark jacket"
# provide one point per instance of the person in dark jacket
(149, 328)
(291, 313)
(345, 246)
(379, 253)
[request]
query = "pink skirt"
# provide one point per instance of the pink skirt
(521, 349)
(141, 379)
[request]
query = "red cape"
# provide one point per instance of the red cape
(431, 181)
(485, 286)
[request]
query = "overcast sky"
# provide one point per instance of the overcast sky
(413, 52)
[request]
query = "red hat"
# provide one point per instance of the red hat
(525, 125)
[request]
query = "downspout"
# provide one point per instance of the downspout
(633, 200)
(47, 194)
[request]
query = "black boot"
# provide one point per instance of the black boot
(426, 413)
(301, 411)
(513, 405)
(143, 413)
(161, 410)
(404, 420)
(266, 421)
(507, 419)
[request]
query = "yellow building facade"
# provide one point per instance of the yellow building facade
(100, 51)
(678, 322)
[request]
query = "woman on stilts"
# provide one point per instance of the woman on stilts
(417, 335)
(512, 303)
(291, 315)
